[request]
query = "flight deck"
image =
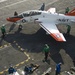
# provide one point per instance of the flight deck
(21, 47)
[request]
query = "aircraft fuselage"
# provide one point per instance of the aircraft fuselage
(43, 15)
(32, 15)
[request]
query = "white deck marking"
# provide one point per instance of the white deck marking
(2, 0)
(13, 4)
(52, 2)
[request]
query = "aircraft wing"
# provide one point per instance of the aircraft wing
(51, 29)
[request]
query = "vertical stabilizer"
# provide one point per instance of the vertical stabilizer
(42, 7)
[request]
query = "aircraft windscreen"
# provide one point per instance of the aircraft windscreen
(25, 14)
(20, 16)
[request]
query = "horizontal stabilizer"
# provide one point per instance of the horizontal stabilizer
(71, 13)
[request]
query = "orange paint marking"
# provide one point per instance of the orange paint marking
(13, 19)
(57, 36)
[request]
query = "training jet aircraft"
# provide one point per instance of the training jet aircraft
(47, 20)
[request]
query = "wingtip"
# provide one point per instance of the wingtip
(58, 37)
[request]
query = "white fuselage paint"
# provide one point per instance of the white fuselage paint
(48, 17)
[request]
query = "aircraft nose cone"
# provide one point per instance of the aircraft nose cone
(8, 19)
(13, 19)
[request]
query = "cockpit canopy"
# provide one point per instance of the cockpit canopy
(31, 13)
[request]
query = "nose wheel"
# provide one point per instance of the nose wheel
(20, 26)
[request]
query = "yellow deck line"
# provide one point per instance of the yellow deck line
(28, 57)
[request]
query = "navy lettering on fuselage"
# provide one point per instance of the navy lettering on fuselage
(63, 20)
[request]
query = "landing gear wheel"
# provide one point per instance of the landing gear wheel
(23, 21)
(20, 26)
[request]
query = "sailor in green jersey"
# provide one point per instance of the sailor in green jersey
(46, 51)
(66, 10)
(3, 30)
(68, 29)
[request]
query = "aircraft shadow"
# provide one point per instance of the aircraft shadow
(12, 27)
(1, 39)
(35, 42)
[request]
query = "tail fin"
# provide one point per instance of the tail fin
(71, 13)
(42, 7)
